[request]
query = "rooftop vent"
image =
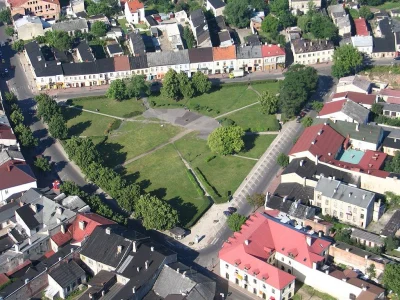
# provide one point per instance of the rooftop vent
(246, 242)
(108, 230)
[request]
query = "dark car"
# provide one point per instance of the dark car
(232, 209)
(227, 213)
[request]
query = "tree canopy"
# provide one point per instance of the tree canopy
(59, 39)
(185, 86)
(394, 164)
(155, 213)
(136, 86)
(189, 37)
(346, 61)
(42, 164)
(170, 87)
(282, 160)
(271, 24)
(256, 200)
(47, 107)
(117, 90)
(365, 12)
(107, 7)
(5, 16)
(201, 83)
(237, 13)
(226, 140)
(18, 45)
(307, 121)
(235, 221)
(391, 277)
(299, 83)
(317, 105)
(320, 26)
(269, 103)
(98, 29)
(58, 127)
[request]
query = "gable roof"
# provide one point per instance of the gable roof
(70, 25)
(361, 27)
(85, 52)
(138, 62)
(121, 63)
(80, 68)
(260, 237)
(6, 133)
(89, 221)
(17, 3)
(385, 43)
(14, 173)
(114, 48)
(390, 93)
(224, 53)
(332, 107)
(199, 55)
(66, 273)
(216, 3)
(134, 5)
(41, 67)
(197, 17)
(61, 238)
(247, 52)
(366, 235)
(272, 50)
(391, 142)
(355, 80)
(137, 43)
(391, 107)
(359, 98)
(166, 58)
(348, 107)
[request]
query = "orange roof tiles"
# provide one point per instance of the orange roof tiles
(61, 238)
(134, 5)
(272, 50)
(224, 53)
(121, 63)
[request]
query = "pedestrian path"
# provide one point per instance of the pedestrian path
(245, 157)
(235, 110)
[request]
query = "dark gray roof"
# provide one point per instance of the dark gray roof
(305, 46)
(392, 226)
(295, 191)
(365, 235)
(81, 14)
(102, 247)
(276, 202)
(100, 278)
(85, 52)
(138, 44)
(67, 273)
(220, 23)
(355, 111)
(216, 3)
(28, 216)
(390, 142)
(306, 168)
(197, 17)
(41, 67)
(70, 25)
(151, 21)
(105, 65)
(247, 52)
(301, 211)
(166, 58)
(199, 55)
(253, 40)
(7, 155)
(15, 234)
(391, 107)
(202, 34)
(114, 48)
(178, 278)
(80, 68)
(138, 62)
(5, 243)
(386, 43)
(224, 36)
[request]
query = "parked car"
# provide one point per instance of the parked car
(227, 213)
(232, 209)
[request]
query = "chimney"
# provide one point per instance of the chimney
(177, 270)
(138, 269)
(30, 241)
(350, 194)
(82, 225)
(344, 279)
(152, 249)
(184, 274)
(246, 242)
(59, 210)
(59, 259)
(347, 249)
(327, 272)
(62, 227)
(26, 280)
(90, 296)
(308, 240)
(301, 163)
(146, 264)
(9, 167)
(58, 221)
(284, 199)
(134, 289)
(364, 288)
(320, 132)
(266, 200)
(134, 249)
(119, 249)
(358, 127)
(366, 256)
(320, 234)
(108, 230)
(16, 248)
(316, 159)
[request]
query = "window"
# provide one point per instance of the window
(290, 285)
(254, 291)
(283, 259)
(273, 291)
(341, 214)
(326, 210)
(349, 208)
(354, 209)
(254, 280)
(246, 278)
(227, 266)
(326, 202)
(362, 216)
(348, 217)
(264, 286)
(334, 213)
(319, 204)
(227, 276)
(319, 197)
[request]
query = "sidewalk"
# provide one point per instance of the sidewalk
(28, 72)
(206, 227)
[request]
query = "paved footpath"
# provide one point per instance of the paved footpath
(206, 225)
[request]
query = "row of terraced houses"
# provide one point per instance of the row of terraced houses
(210, 60)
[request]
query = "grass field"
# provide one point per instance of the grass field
(85, 124)
(220, 100)
(388, 5)
(124, 109)
(255, 145)
(163, 173)
(251, 119)
(224, 173)
(133, 139)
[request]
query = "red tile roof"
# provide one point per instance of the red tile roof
(224, 53)
(272, 50)
(91, 221)
(121, 63)
(6, 133)
(372, 160)
(390, 93)
(61, 238)
(361, 98)
(134, 5)
(265, 236)
(361, 27)
(15, 173)
(49, 254)
(21, 266)
(17, 3)
(341, 95)
(393, 100)
(329, 141)
(332, 107)
(3, 279)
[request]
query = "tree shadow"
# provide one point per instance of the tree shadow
(40, 133)
(45, 143)
(112, 154)
(79, 128)
(144, 184)
(249, 142)
(59, 166)
(71, 113)
(186, 210)
(160, 193)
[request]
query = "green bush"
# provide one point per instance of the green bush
(211, 189)
(114, 125)
(210, 158)
(194, 181)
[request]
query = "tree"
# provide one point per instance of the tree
(58, 127)
(41, 39)
(237, 13)
(371, 271)
(128, 196)
(18, 45)
(117, 90)
(391, 243)
(25, 136)
(226, 140)
(107, 7)
(307, 121)
(99, 29)
(201, 83)
(59, 39)
(322, 27)
(5, 16)
(269, 103)
(10, 97)
(170, 88)
(82, 151)
(346, 60)
(189, 37)
(304, 22)
(136, 86)
(259, 5)
(256, 200)
(270, 24)
(17, 117)
(9, 31)
(185, 85)
(286, 19)
(317, 105)
(392, 198)
(365, 12)
(377, 109)
(299, 83)
(155, 213)
(391, 277)
(394, 164)
(42, 164)
(70, 188)
(277, 6)
(282, 160)
(47, 107)
(235, 221)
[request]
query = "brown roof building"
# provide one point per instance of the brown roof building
(121, 63)
(47, 9)
(224, 53)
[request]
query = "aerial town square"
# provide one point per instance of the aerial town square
(200, 149)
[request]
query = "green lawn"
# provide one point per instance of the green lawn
(124, 25)
(163, 173)
(220, 100)
(251, 119)
(388, 5)
(84, 123)
(354, 13)
(124, 109)
(255, 145)
(133, 139)
(224, 173)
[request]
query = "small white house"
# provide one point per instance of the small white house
(134, 11)
(216, 6)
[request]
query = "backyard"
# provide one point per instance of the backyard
(148, 156)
